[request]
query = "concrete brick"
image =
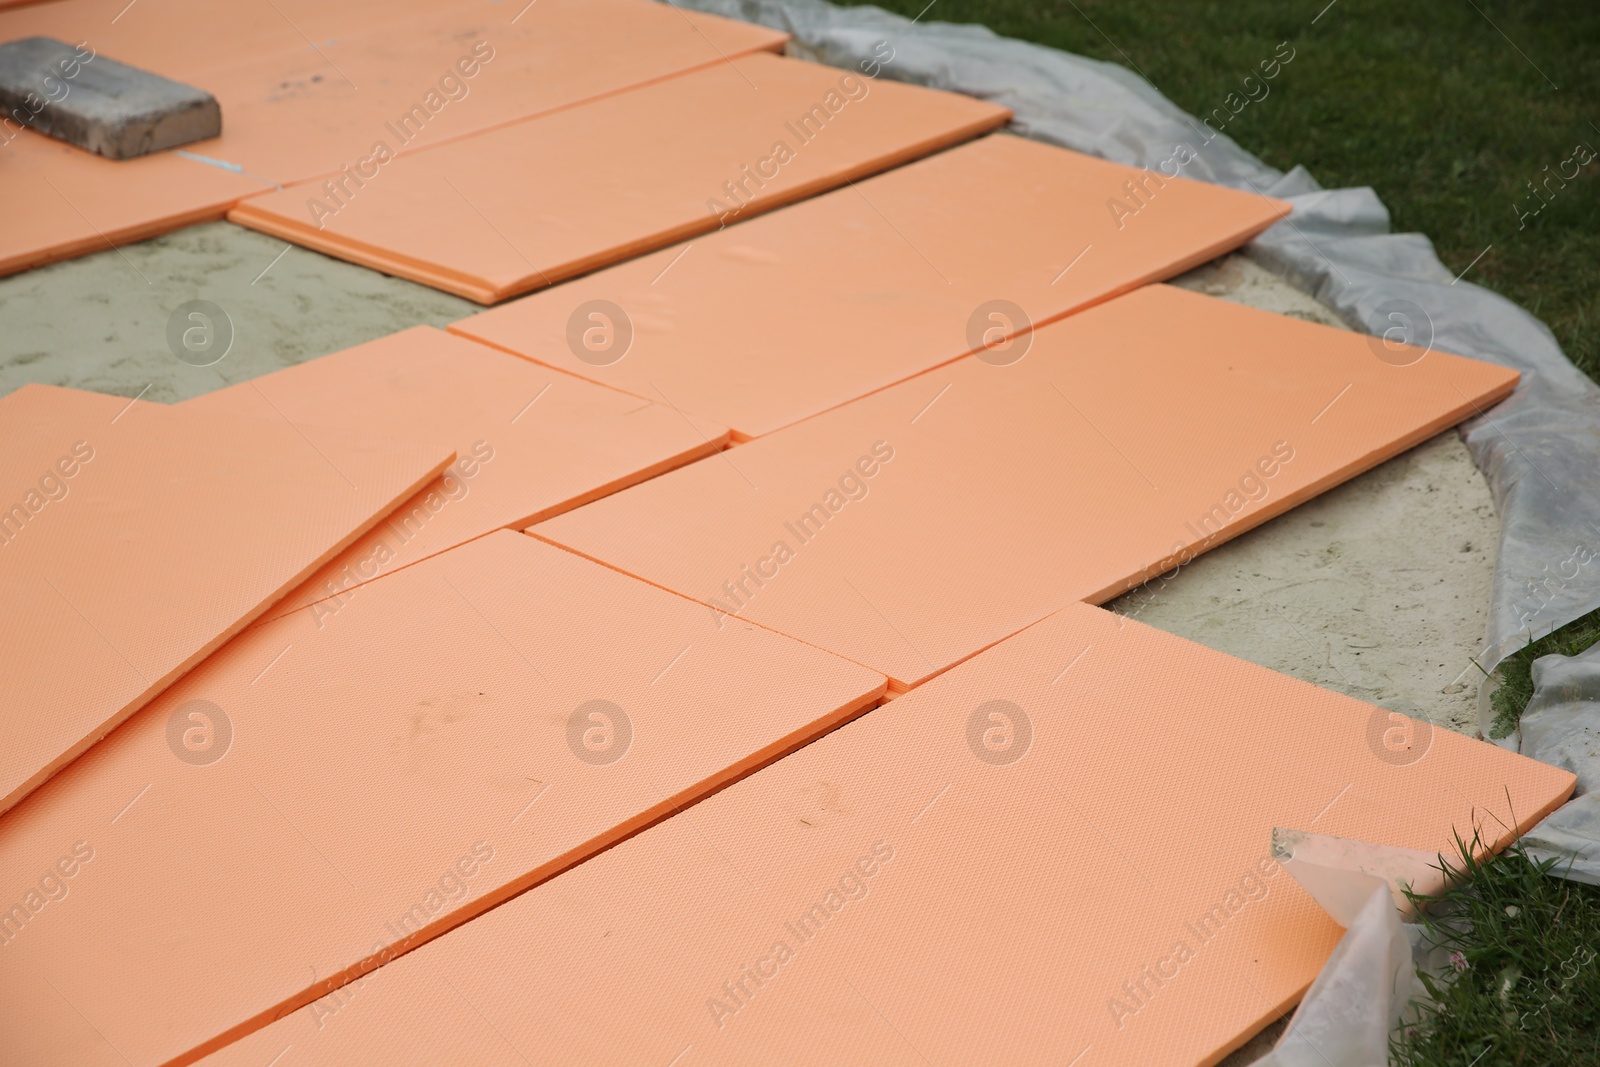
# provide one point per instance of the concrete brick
(98, 104)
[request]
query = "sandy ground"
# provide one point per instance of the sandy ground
(100, 322)
(1377, 589)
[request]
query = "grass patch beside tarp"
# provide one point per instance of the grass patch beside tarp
(1522, 986)
(1448, 109)
(1516, 671)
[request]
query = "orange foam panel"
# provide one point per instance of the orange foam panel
(531, 204)
(308, 88)
(531, 442)
(430, 752)
(136, 538)
(915, 527)
(1058, 852)
(302, 113)
(152, 34)
(776, 319)
(71, 202)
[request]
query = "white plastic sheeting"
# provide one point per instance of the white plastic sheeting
(1323, 864)
(1561, 726)
(1369, 987)
(1539, 449)
(1360, 996)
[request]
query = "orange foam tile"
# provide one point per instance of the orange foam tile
(81, 203)
(777, 319)
(136, 538)
(499, 213)
(305, 91)
(301, 114)
(908, 530)
(532, 442)
(77, 202)
(581, 48)
(159, 34)
(1058, 852)
(461, 731)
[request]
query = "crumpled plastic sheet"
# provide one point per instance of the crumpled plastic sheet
(1539, 449)
(1360, 996)
(1369, 987)
(1561, 726)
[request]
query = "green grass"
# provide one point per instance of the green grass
(1525, 987)
(1516, 670)
(1428, 102)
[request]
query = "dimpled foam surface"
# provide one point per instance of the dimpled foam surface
(531, 442)
(771, 321)
(136, 538)
(915, 527)
(368, 783)
(506, 211)
(1058, 852)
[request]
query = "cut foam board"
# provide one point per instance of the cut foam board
(768, 322)
(461, 731)
(531, 442)
(1058, 852)
(136, 538)
(506, 211)
(910, 529)
(308, 90)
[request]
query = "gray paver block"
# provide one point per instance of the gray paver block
(98, 104)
